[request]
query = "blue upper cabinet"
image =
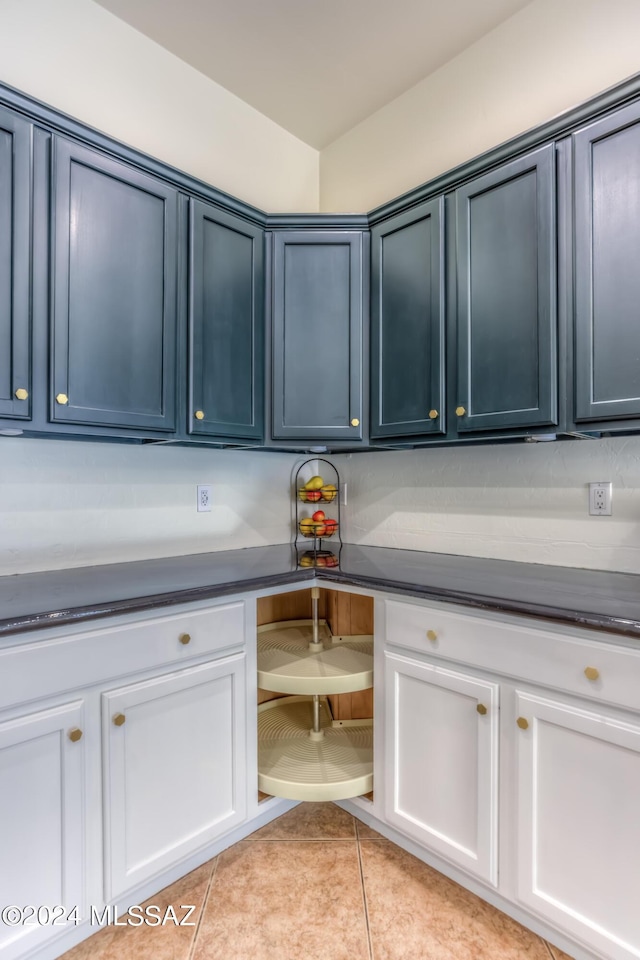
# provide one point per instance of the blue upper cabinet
(506, 327)
(317, 336)
(607, 268)
(114, 293)
(15, 268)
(407, 323)
(226, 325)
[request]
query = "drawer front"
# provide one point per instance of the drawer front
(43, 669)
(582, 665)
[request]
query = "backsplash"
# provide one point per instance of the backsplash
(69, 504)
(525, 501)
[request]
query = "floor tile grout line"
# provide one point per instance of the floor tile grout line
(364, 896)
(548, 946)
(205, 900)
(300, 840)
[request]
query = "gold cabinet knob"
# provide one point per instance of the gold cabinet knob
(355, 422)
(75, 734)
(460, 411)
(592, 673)
(119, 719)
(199, 414)
(482, 710)
(62, 399)
(21, 393)
(185, 638)
(523, 723)
(432, 635)
(433, 414)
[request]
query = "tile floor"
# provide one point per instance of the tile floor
(316, 884)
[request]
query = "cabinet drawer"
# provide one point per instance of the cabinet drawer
(588, 665)
(65, 661)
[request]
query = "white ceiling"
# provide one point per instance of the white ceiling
(316, 67)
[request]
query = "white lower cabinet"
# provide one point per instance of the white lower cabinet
(564, 758)
(578, 821)
(156, 704)
(506, 747)
(42, 815)
(441, 742)
(174, 768)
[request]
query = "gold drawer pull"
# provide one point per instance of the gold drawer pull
(75, 734)
(199, 414)
(355, 422)
(432, 635)
(62, 399)
(482, 710)
(433, 414)
(21, 393)
(119, 719)
(460, 411)
(185, 638)
(592, 673)
(523, 723)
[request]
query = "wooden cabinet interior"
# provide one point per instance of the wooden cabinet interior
(346, 613)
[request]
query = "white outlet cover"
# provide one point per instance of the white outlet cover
(203, 502)
(600, 495)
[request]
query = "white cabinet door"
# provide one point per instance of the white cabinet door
(441, 744)
(578, 851)
(42, 817)
(174, 763)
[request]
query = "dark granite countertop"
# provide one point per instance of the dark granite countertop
(587, 598)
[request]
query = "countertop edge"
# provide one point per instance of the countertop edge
(18, 626)
(630, 629)
(80, 614)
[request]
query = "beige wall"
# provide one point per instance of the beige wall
(550, 56)
(74, 55)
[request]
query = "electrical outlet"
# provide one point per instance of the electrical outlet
(600, 499)
(204, 498)
(343, 494)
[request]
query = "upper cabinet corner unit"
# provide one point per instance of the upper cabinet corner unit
(607, 269)
(114, 282)
(318, 295)
(226, 325)
(15, 265)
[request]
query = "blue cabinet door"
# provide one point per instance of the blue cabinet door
(114, 277)
(407, 323)
(226, 325)
(607, 267)
(15, 256)
(507, 296)
(317, 335)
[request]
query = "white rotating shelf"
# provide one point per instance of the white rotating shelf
(293, 765)
(287, 665)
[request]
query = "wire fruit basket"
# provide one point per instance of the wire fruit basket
(317, 498)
